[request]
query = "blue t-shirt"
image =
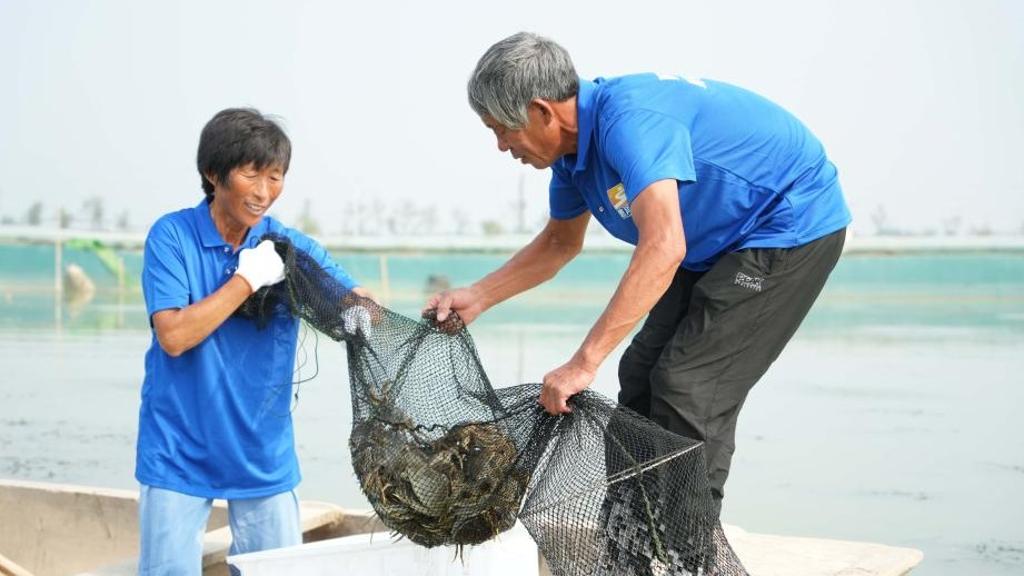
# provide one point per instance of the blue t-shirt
(750, 175)
(215, 422)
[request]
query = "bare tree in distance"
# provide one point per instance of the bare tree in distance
(428, 218)
(93, 208)
(348, 220)
(363, 212)
(407, 218)
(520, 205)
(461, 222)
(951, 226)
(64, 218)
(123, 221)
(307, 223)
(34, 215)
(982, 229)
(880, 218)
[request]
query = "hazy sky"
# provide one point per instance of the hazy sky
(919, 103)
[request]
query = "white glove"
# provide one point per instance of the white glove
(260, 266)
(357, 319)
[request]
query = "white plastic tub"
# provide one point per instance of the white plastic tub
(512, 553)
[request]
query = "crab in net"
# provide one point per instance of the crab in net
(461, 488)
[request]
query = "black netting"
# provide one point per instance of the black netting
(445, 458)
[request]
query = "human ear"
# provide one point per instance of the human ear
(544, 109)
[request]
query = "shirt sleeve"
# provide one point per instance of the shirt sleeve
(644, 147)
(164, 274)
(565, 199)
(320, 255)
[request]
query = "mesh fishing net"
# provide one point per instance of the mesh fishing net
(446, 458)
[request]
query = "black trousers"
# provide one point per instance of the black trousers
(713, 334)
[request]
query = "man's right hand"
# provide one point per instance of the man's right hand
(260, 266)
(468, 302)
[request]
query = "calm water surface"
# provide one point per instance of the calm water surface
(893, 416)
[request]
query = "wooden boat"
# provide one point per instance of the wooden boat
(57, 529)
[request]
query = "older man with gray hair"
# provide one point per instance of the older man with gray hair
(735, 211)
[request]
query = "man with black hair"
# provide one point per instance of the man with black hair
(215, 419)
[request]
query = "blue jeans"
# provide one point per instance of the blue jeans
(172, 524)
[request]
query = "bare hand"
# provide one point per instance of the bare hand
(562, 383)
(466, 301)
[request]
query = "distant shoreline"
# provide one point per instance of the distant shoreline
(879, 245)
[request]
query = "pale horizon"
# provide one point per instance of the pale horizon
(916, 102)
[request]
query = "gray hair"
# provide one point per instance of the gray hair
(516, 70)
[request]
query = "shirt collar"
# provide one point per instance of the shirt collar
(211, 237)
(208, 232)
(586, 112)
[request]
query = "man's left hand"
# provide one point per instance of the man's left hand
(562, 383)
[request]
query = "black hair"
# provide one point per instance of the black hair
(238, 137)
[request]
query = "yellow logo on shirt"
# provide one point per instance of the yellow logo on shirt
(617, 196)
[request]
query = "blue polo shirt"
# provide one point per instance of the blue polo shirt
(750, 174)
(215, 422)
